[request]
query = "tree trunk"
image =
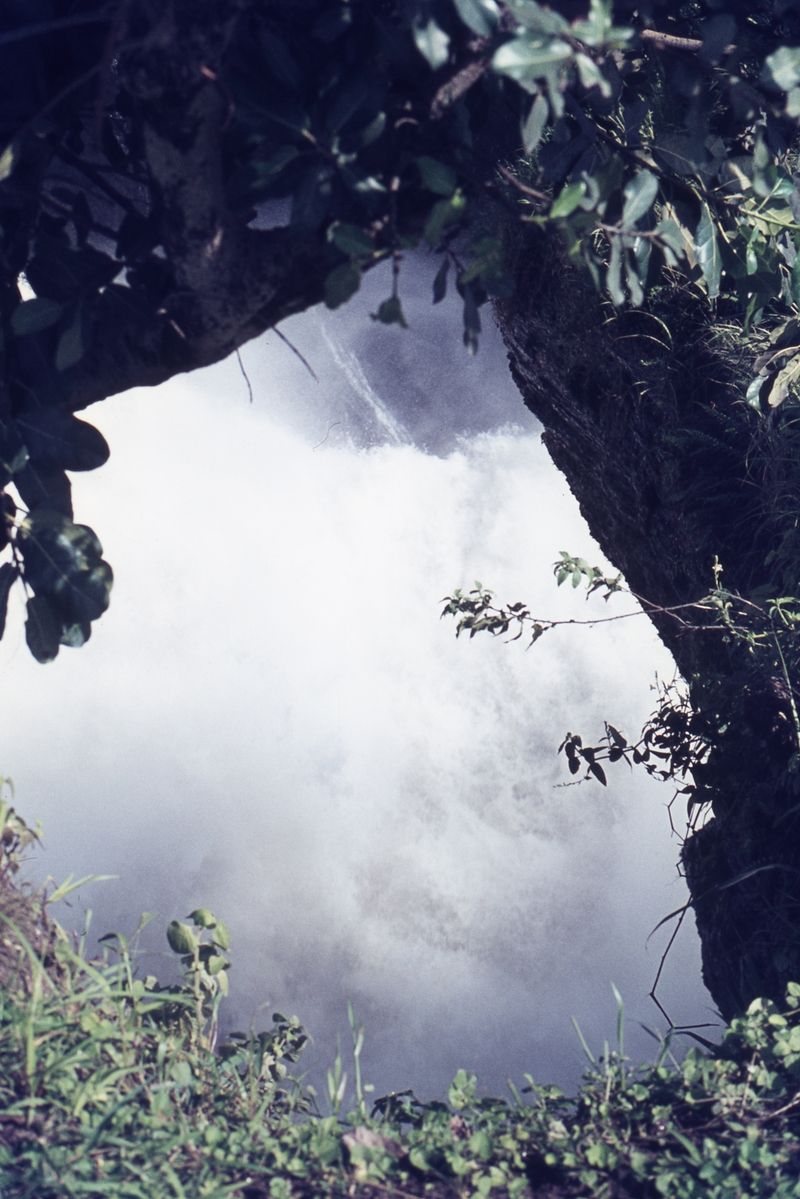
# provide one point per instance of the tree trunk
(643, 414)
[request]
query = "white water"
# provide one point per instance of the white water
(272, 721)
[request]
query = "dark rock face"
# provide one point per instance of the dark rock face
(643, 415)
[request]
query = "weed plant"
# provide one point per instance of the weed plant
(111, 1085)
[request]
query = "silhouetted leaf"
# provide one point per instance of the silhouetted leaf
(8, 576)
(597, 770)
(42, 630)
(444, 213)
(13, 452)
(44, 489)
(34, 315)
(440, 281)
(60, 441)
(74, 339)
(342, 283)
(350, 239)
(437, 176)
(63, 561)
(390, 313)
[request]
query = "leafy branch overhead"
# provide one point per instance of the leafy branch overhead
(174, 181)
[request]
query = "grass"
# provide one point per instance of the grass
(111, 1085)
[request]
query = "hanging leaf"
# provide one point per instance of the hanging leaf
(481, 16)
(60, 441)
(350, 239)
(597, 770)
(568, 200)
(342, 283)
(785, 379)
(537, 19)
(8, 576)
(526, 59)
(76, 635)
(440, 281)
(613, 280)
(203, 918)
(63, 561)
(431, 41)
(640, 193)
(706, 248)
(34, 315)
(13, 452)
(74, 340)
(390, 313)
(437, 176)
(443, 214)
(42, 630)
(534, 124)
(181, 938)
(44, 489)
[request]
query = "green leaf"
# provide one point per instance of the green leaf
(480, 1144)
(63, 561)
(350, 239)
(8, 576)
(57, 272)
(753, 396)
(7, 160)
(440, 281)
(203, 918)
(526, 59)
(568, 200)
(640, 192)
(390, 313)
(74, 340)
(342, 283)
(785, 379)
(42, 630)
(34, 315)
(783, 68)
(613, 280)
(444, 213)
(538, 19)
(437, 176)
(60, 441)
(14, 453)
(311, 199)
(221, 935)
(706, 248)
(481, 16)
(431, 41)
(76, 635)
(534, 124)
(181, 938)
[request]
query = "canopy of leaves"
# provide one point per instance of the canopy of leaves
(175, 179)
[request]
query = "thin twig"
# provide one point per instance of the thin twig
(295, 350)
(522, 187)
(244, 372)
(670, 41)
(29, 31)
